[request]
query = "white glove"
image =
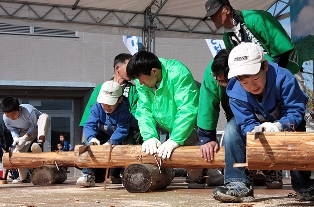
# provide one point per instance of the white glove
(15, 141)
(95, 141)
(20, 142)
(165, 150)
(150, 146)
(271, 127)
(106, 144)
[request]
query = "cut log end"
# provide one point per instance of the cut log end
(141, 178)
(48, 175)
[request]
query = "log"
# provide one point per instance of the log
(35, 160)
(265, 151)
(141, 178)
(125, 155)
(280, 151)
(48, 175)
(121, 156)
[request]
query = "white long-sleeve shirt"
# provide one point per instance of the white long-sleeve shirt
(27, 119)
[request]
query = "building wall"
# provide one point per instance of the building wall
(86, 59)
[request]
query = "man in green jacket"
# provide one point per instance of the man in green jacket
(212, 94)
(168, 98)
(256, 26)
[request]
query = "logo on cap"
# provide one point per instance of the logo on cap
(241, 58)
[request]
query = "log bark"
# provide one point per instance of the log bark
(121, 156)
(34, 160)
(48, 175)
(125, 155)
(280, 151)
(141, 178)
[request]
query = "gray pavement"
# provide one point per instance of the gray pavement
(177, 195)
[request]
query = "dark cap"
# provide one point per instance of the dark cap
(212, 6)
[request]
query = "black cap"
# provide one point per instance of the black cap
(212, 6)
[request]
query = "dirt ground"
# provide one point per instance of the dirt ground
(177, 195)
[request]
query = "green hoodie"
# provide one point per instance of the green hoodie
(173, 105)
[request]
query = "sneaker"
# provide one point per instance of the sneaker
(199, 182)
(307, 195)
(234, 192)
(18, 180)
(37, 147)
(86, 180)
(215, 178)
(273, 179)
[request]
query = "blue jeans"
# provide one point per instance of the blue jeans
(235, 152)
(300, 180)
(90, 171)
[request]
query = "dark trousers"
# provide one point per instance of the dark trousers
(300, 180)
(115, 172)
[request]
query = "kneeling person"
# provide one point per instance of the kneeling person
(25, 123)
(110, 120)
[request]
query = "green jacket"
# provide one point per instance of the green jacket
(129, 91)
(173, 105)
(211, 95)
(267, 32)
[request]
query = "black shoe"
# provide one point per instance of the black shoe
(234, 192)
(200, 182)
(273, 179)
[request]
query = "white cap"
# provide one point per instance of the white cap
(245, 59)
(109, 93)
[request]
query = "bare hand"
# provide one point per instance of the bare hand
(208, 150)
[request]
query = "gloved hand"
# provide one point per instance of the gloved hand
(165, 150)
(150, 146)
(20, 142)
(258, 129)
(106, 144)
(95, 141)
(15, 141)
(268, 127)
